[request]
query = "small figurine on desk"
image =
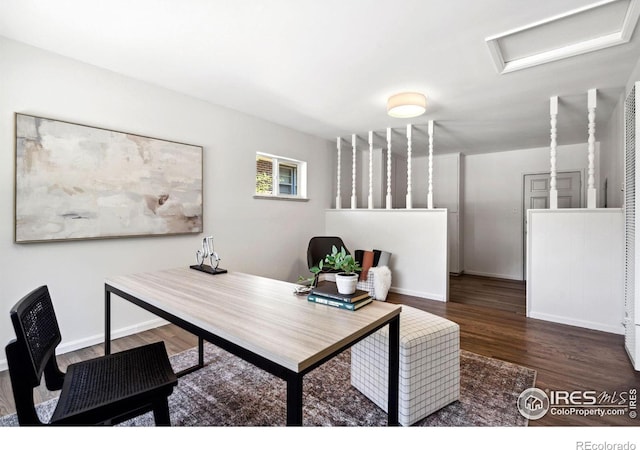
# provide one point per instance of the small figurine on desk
(208, 253)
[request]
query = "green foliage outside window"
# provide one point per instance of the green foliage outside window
(264, 183)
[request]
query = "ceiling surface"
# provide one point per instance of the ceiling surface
(326, 67)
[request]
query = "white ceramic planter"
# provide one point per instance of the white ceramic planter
(346, 283)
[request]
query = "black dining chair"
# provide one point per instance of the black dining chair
(105, 390)
(319, 247)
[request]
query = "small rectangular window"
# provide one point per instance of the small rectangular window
(280, 177)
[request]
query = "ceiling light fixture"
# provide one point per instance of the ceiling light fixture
(406, 104)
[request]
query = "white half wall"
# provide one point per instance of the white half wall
(262, 237)
(417, 239)
(575, 267)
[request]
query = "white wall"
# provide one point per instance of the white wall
(416, 238)
(263, 237)
(493, 209)
(575, 267)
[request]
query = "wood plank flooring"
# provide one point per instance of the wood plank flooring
(565, 358)
(497, 293)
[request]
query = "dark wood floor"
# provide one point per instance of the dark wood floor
(565, 358)
(496, 293)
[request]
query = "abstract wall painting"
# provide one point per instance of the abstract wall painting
(79, 182)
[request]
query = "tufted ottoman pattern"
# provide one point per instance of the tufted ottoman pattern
(429, 365)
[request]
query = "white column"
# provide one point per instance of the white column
(370, 202)
(388, 200)
(591, 189)
(354, 199)
(430, 191)
(409, 202)
(338, 196)
(553, 191)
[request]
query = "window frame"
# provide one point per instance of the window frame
(300, 176)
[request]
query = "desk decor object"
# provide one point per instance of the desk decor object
(330, 290)
(79, 182)
(328, 294)
(351, 306)
(344, 264)
(205, 253)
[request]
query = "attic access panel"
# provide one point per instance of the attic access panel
(593, 27)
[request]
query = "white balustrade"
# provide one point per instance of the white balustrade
(430, 191)
(591, 187)
(553, 191)
(354, 199)
(389, 199)
(409, 202)
(338, 196)
(370, 199)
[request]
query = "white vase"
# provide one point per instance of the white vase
(346, 282)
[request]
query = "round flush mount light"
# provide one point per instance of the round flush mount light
(406, 104)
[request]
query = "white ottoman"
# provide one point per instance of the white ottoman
(429, 365)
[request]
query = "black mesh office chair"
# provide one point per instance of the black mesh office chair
(319, 247)
(103, 390)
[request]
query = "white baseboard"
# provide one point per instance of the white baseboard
(492, 275)
(66, 347)
(608, 328)
(420, 294)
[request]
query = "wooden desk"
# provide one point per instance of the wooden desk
(261, 321)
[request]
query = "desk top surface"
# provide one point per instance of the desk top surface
(259, 314)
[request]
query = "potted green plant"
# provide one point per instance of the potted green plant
(346, 278)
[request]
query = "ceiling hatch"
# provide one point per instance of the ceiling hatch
(593, 27)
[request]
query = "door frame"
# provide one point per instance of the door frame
(583, 200)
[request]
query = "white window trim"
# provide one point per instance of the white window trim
(275, 177)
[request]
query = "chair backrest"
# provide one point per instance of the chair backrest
(33, 351)
(37, 332)
(320, 246)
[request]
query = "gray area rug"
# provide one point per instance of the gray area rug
(232, 392)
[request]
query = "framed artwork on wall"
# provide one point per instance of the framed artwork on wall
(77, 182)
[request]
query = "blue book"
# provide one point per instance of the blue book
(338, 303)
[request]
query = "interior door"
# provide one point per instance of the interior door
(536, 196)
(536, 190)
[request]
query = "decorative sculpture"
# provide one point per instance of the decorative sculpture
(205, 253)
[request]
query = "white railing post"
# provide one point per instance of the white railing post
(338, 195)
(354, 199)
(430, 191)
(389, 199)
(409, 202)
(553, 191)
(370, 199)
(591, 106)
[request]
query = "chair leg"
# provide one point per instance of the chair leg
(161, 412)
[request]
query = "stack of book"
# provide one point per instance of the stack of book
(328, 294)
